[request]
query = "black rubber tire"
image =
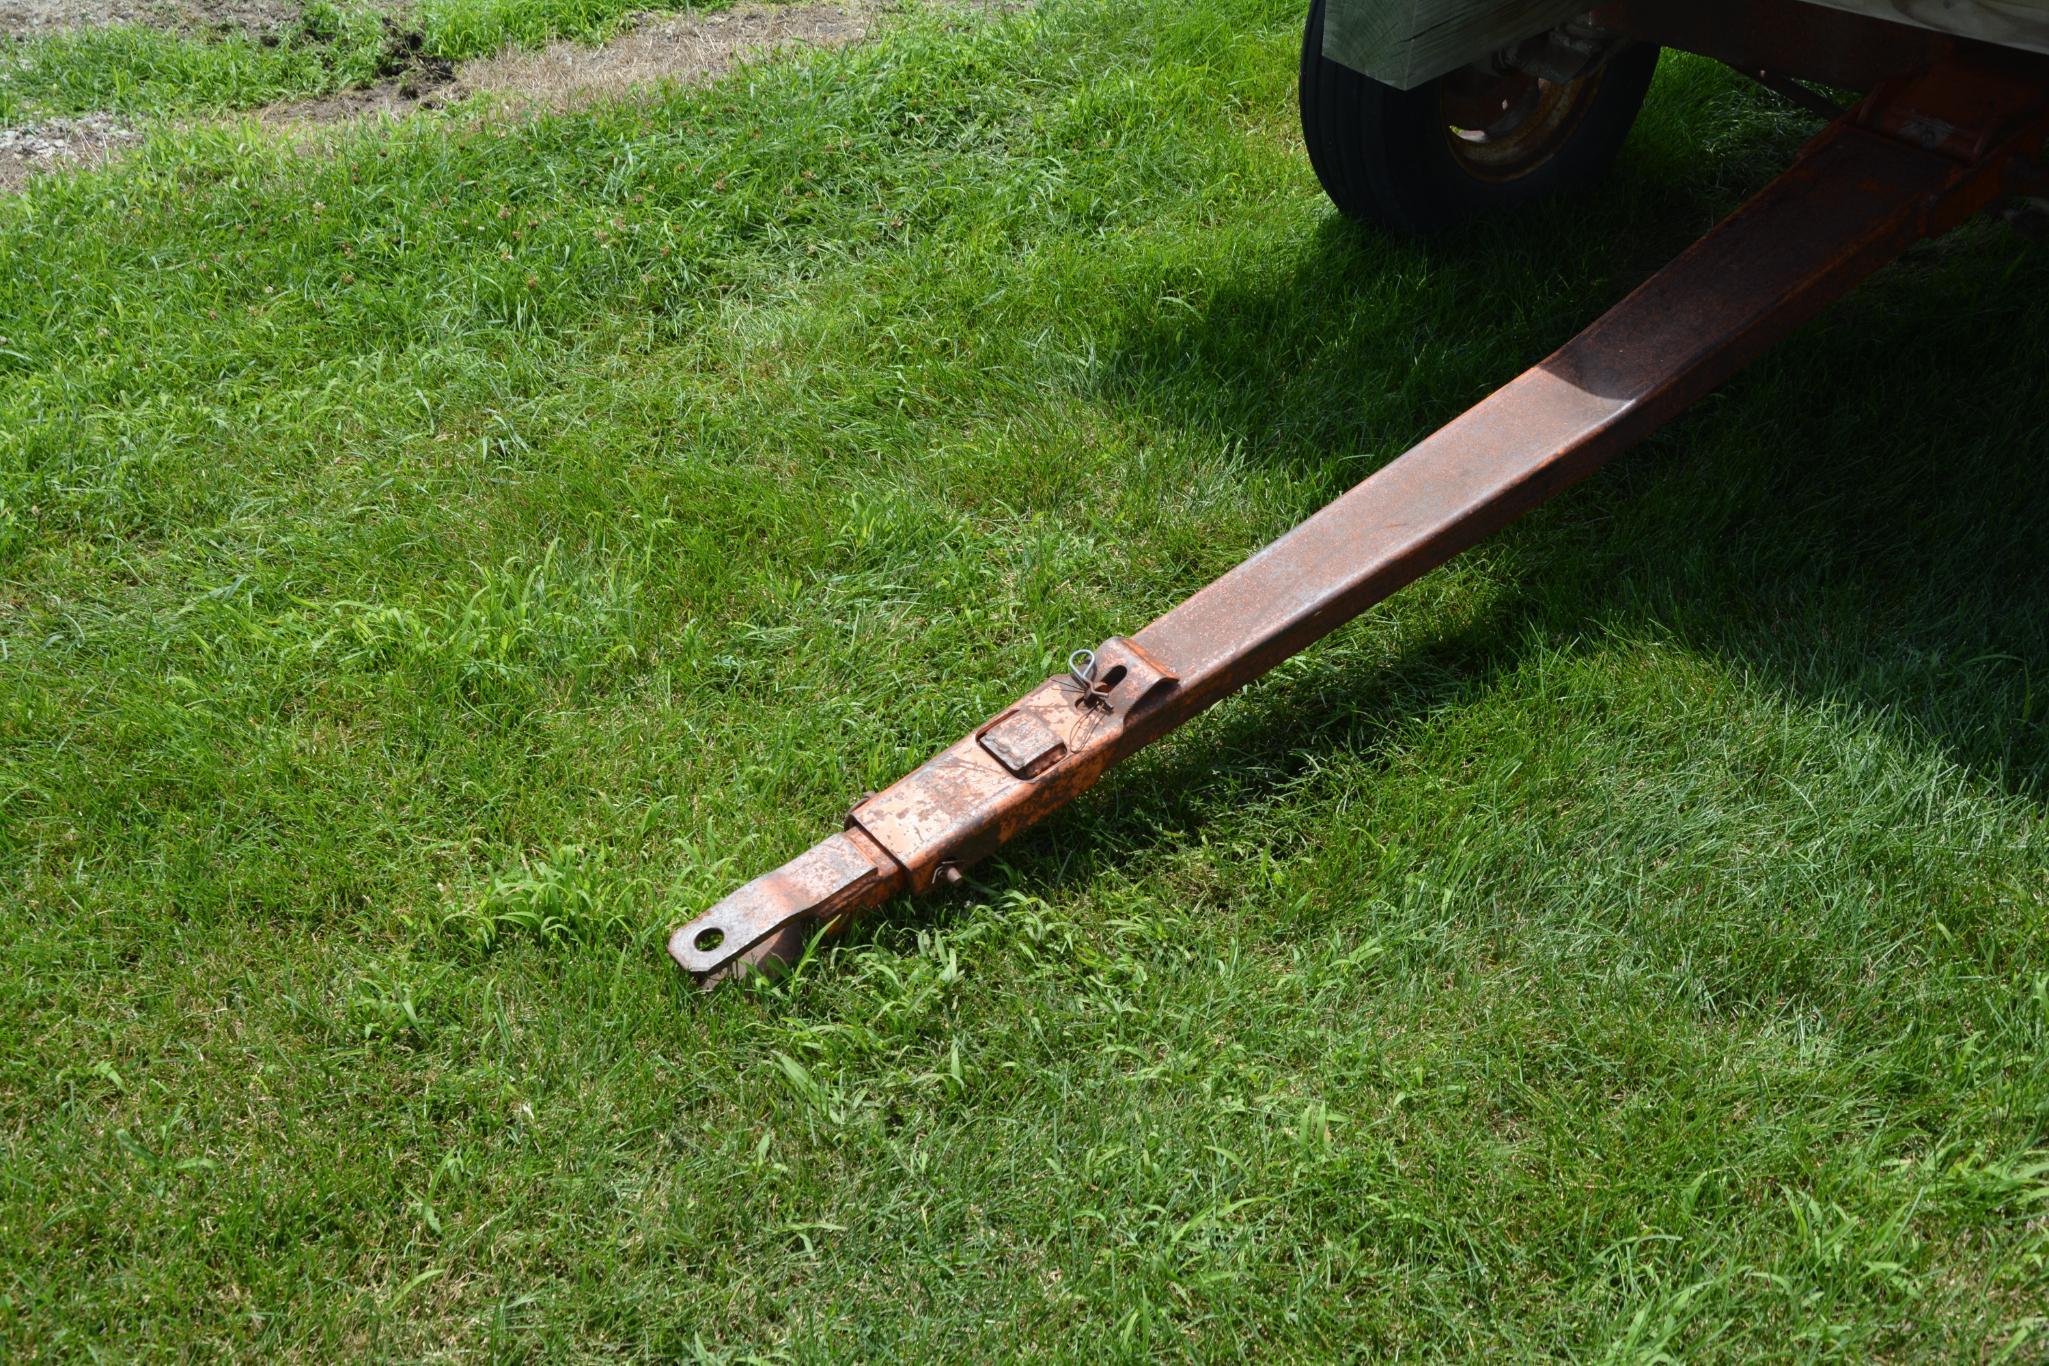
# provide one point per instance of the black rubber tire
(1384, 157)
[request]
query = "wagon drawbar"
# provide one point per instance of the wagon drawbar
(1415, 114)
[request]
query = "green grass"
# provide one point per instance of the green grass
(431, 569)
(460, 29)
(139, 71)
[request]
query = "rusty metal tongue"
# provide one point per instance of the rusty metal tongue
(1028, 760)
(748, 929)
(1874, 182)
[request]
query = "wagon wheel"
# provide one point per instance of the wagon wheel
(1478, 139)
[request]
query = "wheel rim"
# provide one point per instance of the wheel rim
(1500, 126)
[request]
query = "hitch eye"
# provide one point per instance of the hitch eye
(707, 940)
(1109, 681)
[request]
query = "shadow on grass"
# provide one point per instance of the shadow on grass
(1858, 517)
(1854, 521)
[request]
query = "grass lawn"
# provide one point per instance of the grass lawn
(434, 563)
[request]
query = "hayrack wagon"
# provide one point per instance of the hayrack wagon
(1417, 113)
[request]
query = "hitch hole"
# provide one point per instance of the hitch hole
(1112, 678)
(707, 940)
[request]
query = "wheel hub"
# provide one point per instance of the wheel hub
(1501, 125)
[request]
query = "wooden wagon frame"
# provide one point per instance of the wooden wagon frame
(1404, 43)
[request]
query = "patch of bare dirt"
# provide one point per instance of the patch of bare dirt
(413, 80)
(659, 48)
(21, 17)
(83, 141)
(680, 48)
(684, 48)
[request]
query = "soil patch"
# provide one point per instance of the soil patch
(83, 141)
(659, 48)
(684, 49)
(21, 17)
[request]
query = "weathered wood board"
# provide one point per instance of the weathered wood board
(2012, 23)
(1407, 42)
